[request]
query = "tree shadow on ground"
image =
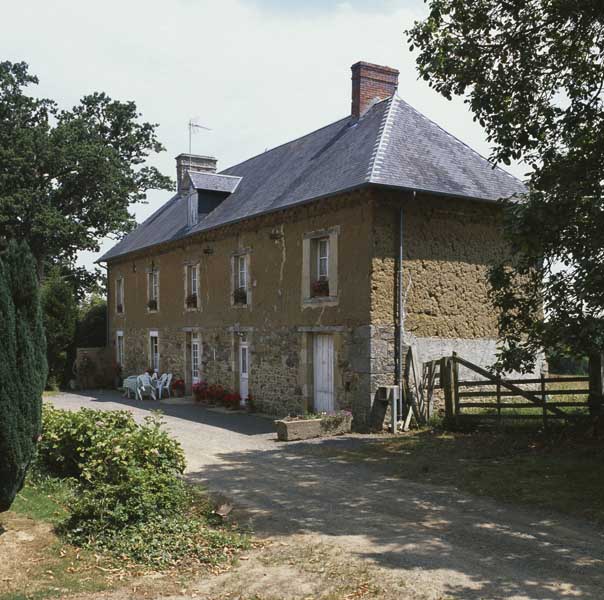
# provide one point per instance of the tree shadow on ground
(481, 550)
(244, 424)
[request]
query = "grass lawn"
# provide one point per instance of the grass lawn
(36, 563)
(561, 470)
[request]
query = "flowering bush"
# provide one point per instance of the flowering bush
(232, 401)
(200, 391)
(178, 387)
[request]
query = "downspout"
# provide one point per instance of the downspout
(400, 309)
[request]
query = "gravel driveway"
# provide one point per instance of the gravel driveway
(441, 543)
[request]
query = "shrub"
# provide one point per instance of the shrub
(129, 498)
(91, 444)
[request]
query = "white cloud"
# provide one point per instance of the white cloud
(258, 77)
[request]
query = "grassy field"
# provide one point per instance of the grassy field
(561, 469)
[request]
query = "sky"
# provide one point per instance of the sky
(257, 72)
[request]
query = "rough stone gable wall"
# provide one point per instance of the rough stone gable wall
(448, 247)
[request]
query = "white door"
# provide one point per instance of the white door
(195, 358)
(244, 370)
(323, 360)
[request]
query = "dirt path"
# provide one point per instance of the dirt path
(387, 537)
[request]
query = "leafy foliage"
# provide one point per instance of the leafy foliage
(92, 323)
(23, 368)
(60, 314)
(533, 74)
(68, 177)
(130, 499)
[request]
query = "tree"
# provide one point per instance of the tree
(532, 72)
(60, 316)
(92, 323)
(23, 368)
(68, 177)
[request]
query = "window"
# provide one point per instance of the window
(240, 292)
(320, 283)
(195, 357)
(119, 295)
(119, 348)
(192, 286)
(320, 267)
(154, 350)
(153, 290)
(323, 258)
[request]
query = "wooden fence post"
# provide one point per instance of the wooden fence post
(499, 400)
(544, 399)
(455, 383)
(596, 383)
(446, 385)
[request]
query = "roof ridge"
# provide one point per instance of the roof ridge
(383, 136)
(281, 145)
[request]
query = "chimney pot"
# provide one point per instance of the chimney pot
(370, 83)
(195, 163)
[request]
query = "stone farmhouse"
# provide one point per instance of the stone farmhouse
(301, 276)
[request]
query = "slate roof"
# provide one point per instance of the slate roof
(392, 145)
(214, 182)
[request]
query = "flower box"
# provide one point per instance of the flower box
(240, 296)
(320, 288)
(301, 428)
(191, 301)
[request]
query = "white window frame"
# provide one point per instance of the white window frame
(119, 347)
(153, 288)
(240, 277)
(323, 260)
(154, 351)
(119, 294)
(241, 271)
(195, 364)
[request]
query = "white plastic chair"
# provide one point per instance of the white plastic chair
(164, 383)
(130, 385)
(145, 387)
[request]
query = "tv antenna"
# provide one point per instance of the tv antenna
(193, 127)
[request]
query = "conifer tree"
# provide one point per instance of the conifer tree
(23, 368)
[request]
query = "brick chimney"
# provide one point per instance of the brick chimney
(192, 162)
(371, 83)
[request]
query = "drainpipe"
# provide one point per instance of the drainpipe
(400, 322)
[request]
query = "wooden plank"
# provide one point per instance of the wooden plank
(477, 383)
(492, 394)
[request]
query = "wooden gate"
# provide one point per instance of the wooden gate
(492, 396)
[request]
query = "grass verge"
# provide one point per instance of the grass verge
(561, 469)
(38, 562)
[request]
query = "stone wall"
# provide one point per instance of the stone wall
(278, 323)
(448, 247)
